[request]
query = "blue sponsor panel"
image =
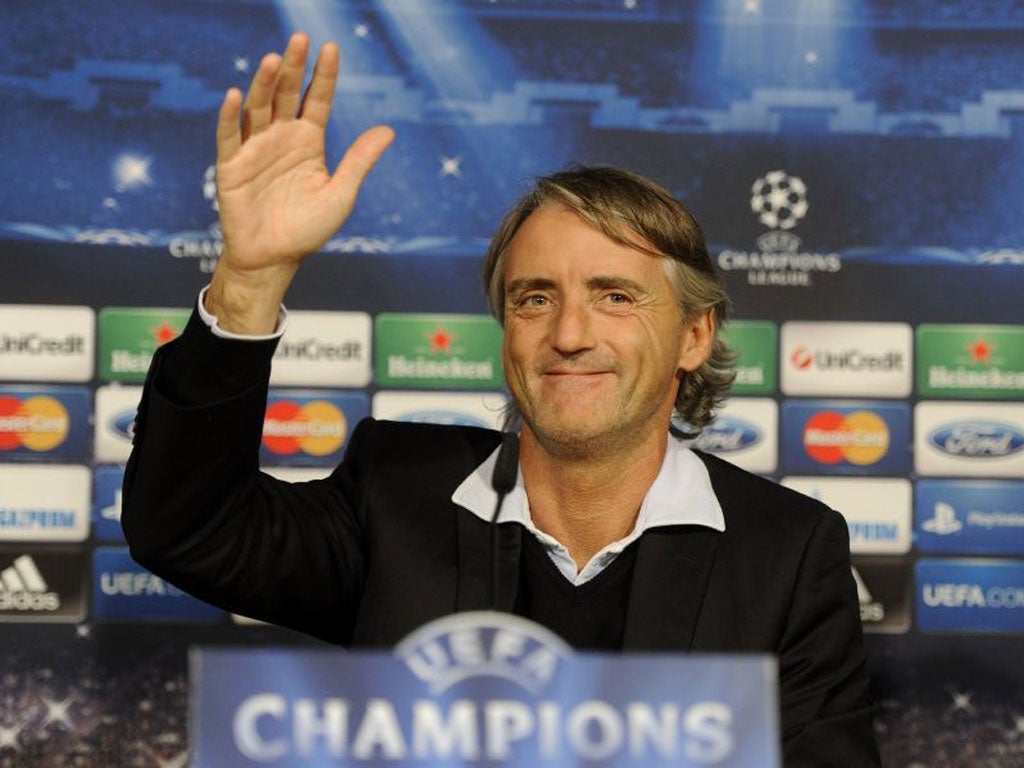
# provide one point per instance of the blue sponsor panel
(106, 503)
(970, 595)
(309, 428)
(45, 423)
(970, 516)
(123, 589)
(846, 437)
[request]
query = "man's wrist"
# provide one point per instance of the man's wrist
(214, 324)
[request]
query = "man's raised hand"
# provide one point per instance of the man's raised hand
(278, 201)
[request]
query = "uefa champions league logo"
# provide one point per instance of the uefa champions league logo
(779, 200)
(483, 644)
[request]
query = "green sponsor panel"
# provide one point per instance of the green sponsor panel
(130, 336)
(438, 351)
(756, 343)
(971, 361)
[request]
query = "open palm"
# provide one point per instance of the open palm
(278, 200)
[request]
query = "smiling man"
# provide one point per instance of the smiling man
(616, 535)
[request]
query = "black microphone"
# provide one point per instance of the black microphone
(503, 480)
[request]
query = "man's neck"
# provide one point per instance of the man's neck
(588, 502)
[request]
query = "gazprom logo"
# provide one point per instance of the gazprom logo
(728, 434)
(977, 439)
(123, 424)
(483, 644)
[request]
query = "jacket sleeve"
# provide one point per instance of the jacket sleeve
(827, 711)
(198, 512)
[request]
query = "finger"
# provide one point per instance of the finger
(289, 80)
(258, 107)
(316, 106)
(229, 135)
(360, 158)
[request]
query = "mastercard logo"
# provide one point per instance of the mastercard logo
(860, 437)
(316, 428)
(35, 424)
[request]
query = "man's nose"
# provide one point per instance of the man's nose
(573, 328)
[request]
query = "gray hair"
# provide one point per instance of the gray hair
(634, 211)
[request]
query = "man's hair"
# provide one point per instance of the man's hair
(636, 212)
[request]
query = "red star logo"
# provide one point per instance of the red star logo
(163, 334)
(440, 341)
(981, 351)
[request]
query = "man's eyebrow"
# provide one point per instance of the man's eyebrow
(528, 284)
(609, 282)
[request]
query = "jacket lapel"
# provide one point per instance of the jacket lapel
(475, 564)
(670, 578)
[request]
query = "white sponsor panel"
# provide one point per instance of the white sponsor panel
(969, 439)
(745, 432)
(478, 409)
(298, 474)
(846, 359)
(44, 503)
(878, 511)
(50, 343)
(114, 422)
(324, 349)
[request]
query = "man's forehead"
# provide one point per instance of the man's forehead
(554, 242)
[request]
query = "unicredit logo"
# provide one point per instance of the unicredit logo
(801, 358)
(853, 360)
(977, 439)
(315, 349)
(35, 344)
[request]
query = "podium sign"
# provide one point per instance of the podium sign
(481, 689)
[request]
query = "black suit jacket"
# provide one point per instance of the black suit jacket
(377, 549)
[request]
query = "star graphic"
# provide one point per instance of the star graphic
(441, 341)
(450, 167)
(629, 4)
(83, 631)
(241, 64)
(811, 57)
(980, 351)
(163, 334)
(962, 702)
(57, 712)
(362, 31)
(9, 737)
(752, 6)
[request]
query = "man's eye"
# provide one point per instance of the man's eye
(618, 298)
(535, 300)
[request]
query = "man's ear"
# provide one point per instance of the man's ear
(698, 338)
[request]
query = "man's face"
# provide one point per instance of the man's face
(594, 340)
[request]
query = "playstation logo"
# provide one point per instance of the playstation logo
(944, 522)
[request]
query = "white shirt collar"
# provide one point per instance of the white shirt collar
(681, 494)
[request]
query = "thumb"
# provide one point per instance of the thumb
(360, 157)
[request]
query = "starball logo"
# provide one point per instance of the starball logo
(779, 200)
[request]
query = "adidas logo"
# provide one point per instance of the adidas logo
(22, 588)
(871, 611)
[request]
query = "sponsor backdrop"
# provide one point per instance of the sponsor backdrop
(857, 167)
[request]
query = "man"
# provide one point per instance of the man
(616, 535)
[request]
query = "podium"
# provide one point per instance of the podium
(481, 689)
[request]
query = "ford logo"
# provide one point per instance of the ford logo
(444, 417)
(123, 424)
(728, 434)
(977, 439)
